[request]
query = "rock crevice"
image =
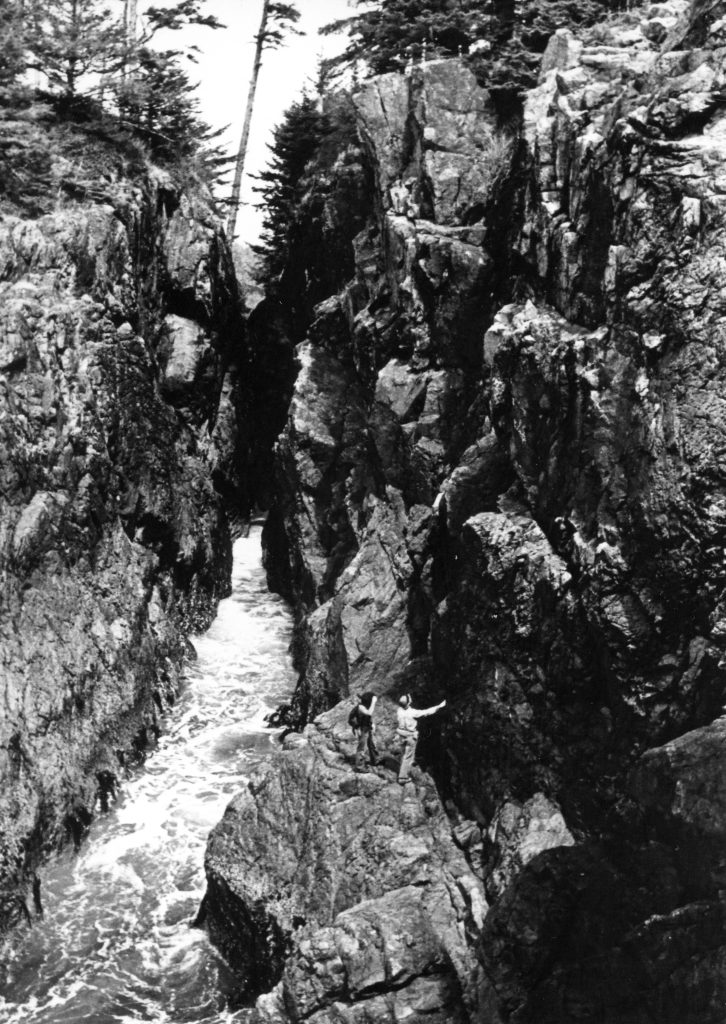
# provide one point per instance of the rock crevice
(509, 492)
(121, 348)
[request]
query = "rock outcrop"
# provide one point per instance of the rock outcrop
(346, 892)
(120, 328)
(501, 482)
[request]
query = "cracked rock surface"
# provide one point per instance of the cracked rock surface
(524, 513)
(344, 891)
(117, 322)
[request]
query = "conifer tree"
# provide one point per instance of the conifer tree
(385, 35)
(154, 92)
(101, 49)
(159, 102)
(176, 16)
(12, 42)
(138, 54)
(77, 43)
(276, 21)
(70, 39)
(295, 141)
(388, 32)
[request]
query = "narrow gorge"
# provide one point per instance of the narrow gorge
(481, 404)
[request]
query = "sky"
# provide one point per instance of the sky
(224, 68)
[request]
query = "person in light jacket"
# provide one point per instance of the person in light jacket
(407, 730)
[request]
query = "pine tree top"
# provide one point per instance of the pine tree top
(508, 35)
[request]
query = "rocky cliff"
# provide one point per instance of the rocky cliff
(120, 348)
(501, 481)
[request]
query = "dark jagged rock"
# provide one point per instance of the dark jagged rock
(347, 890)
(120, 327)
(323, 446)
(522, 510)
(681, 785)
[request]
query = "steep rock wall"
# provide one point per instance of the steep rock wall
(341, 893)
(501, 482)
(120, 353)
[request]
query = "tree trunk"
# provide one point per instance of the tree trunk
(131, 20)
(72, 58)
(130, 23)
(242, 152)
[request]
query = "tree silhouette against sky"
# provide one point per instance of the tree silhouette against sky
(276, 22)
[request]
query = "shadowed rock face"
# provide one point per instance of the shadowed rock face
(519, 505)
(118, 325)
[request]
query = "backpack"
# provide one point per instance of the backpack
(354, 717)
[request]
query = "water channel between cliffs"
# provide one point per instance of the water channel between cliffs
(115, 944)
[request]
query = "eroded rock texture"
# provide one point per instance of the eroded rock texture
(501, 481)
(339, 888)
(119, 335)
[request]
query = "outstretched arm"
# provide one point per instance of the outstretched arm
(424, 712)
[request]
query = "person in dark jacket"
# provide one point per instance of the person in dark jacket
(366, 728)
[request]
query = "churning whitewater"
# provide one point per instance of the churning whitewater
(115, 944)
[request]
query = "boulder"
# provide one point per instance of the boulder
(348, 889)
(681, 785)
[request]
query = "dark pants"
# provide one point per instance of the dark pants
(365, 739)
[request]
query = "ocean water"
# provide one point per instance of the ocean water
(115, 944)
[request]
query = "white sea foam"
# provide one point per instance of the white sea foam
(115, 946)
